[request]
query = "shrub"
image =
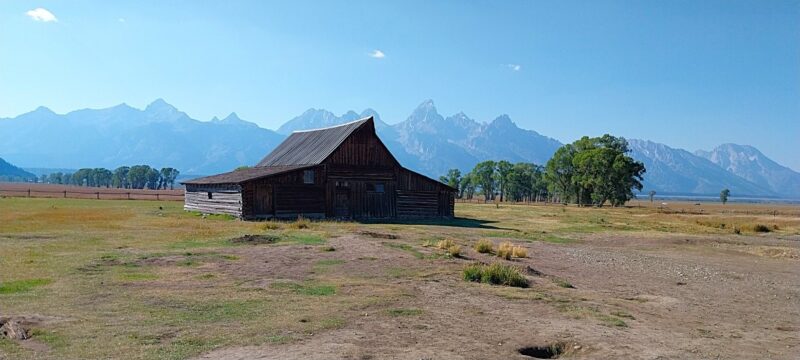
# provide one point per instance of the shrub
(484, 246)
(505, 250)
(445, 244)
(496, 274)
(473, 272)
(519, 251)
(454, 251)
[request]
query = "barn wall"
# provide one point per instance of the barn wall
(362, 149)
(421, 197)
(225, 199)
(289, 197)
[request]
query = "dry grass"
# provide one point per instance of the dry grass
(505, 250)
(519, 252)
(454, 251)
(484, 246)
(445, 244)
(300, 223)
(496, 274)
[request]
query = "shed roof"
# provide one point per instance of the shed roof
(244, 175)
(311, 147)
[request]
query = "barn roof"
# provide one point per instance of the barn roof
(244, 175)
(311, 147)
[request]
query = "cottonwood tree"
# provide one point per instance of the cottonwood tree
(484, 176)
(452, 179)
(168, 176)
(593, 171)
(723, 195)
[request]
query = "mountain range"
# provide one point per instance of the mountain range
(160, 135)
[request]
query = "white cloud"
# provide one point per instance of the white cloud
(515, 67)
(41, 14)
(122, 20)
(377, 54)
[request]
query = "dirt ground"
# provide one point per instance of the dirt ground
(680, 297)
(629, 283)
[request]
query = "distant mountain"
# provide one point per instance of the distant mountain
(430, 143)
(678, 171)
(160, 135)
(10, 172)
(747, 162)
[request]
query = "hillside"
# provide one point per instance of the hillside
(10, 172)
(747, 162)
(679, 171)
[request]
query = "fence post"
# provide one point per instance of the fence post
(29, 192)
(157, 197)
(98, 195)
(65, 194)
(129, 196)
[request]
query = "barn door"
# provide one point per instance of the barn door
(263, 200)
(341, 204)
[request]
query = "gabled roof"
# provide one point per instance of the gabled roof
(244, 175)
(311, 147)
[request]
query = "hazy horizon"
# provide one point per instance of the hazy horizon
(690, 75)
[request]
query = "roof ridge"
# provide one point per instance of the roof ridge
(334, 126)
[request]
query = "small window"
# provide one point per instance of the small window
(210, 196)
(308, 176)
(378, 187)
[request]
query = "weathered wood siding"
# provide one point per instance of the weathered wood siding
(225, 199)
(289, 196)
(421, 197)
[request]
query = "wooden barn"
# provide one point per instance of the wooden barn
(341, 172)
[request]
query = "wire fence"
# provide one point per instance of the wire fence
(74, 193)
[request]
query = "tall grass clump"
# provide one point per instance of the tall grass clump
(495, 274)
(519, 252)
(484, 246)
(505, 250)
(454, 251)
(300, 223)
(445, 244)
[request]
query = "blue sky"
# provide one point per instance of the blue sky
(691, 74)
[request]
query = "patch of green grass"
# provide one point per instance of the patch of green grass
(225, 217)
(522, 235)
(20, 286)
(328, 248)
(407, 248)
(195, 244)
(307, 288)
(622, 314)
(137, 276)
(302, 239)
(405, 312)
(329, 262)
(563, 283)
(51, 338)
(496, 274)
(206, 276)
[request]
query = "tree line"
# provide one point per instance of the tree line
(590, 171)
(123, 177)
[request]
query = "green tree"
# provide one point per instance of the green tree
(559, 172)
(595, 171)
(652, 194)
(467, 186)
(120, 177)
(452, 179)
(503, 169)
(484, 176)
(138, 176)
(168, 176)
(723, 195)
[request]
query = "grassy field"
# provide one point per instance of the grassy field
(146, 280)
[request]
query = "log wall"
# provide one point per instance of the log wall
(225, 199)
